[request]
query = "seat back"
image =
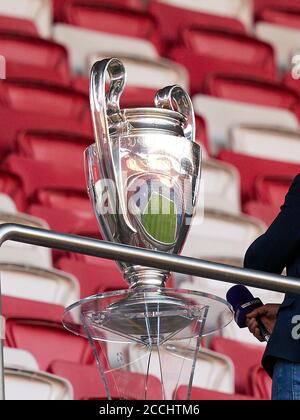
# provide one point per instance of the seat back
(260, 384)
(272, 190)
(231, 113)
(238, 9)
(61, 148)
(49, 286)
(35, 58)
(266, 142)
(15, 24)
(284, 40)
(283, 15)
(252, 91)
(82, 43)
(38, 11)
(221, 235)
(26, 384)
(221, 185)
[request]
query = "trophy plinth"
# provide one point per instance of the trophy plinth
(143, 175)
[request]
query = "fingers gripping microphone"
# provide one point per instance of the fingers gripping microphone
(243, 303)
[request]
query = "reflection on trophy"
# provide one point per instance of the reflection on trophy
(143, 175)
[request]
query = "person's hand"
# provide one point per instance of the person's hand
(267, 315)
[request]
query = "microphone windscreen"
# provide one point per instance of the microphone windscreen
(238, 295)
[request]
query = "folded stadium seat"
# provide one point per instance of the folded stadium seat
(221, 186)
(18, 253)
(110, 19)
(244, 357)
(272, 189)
(49, 286)
(54, 147)
(18, 358)
(18, 25)
(259, 5)
(251, 167)
(204, 50)
(213, 370)
(27, 384)
(252, 91)
(11, 185)
(285, 41)
(37, 175)
(182, 16)
(233, 113)
(263, 212)
(38, 11)
(37, 328)
(266, 142)
(240, 10)
(221, 234)
(81, 43)
(260, 384)
(283, 15)
(88, 385)
(59, 6)
(104, 276)
(34, 57)
(7, 205)
(31, 105)
(199, 394)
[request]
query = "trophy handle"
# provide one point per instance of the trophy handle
(104, 105)
(177, 99)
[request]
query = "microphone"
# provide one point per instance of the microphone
(243, 303)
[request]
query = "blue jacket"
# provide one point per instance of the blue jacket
(277, 249)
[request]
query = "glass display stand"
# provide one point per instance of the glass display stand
(140, 337)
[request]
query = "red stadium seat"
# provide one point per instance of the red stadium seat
(206, 51)
(260, 384)
(244, 357)
(88, 385)
(30, 105)
(61, 148)
(181, 17)
(38, 175)
(121, 21)
(283, 15)
(35, 58)
(263, 212)
(199, 394)
(291, 82)
(272, 190)
(260, 5)
(251, 167)
(11, 185)
(252, 90)
(60, 5)
(36, 327)
(17, 25)
(94, 278)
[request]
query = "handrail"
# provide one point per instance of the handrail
(140, 256)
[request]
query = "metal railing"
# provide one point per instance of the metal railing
(140, 256)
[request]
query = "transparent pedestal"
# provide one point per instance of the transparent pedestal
(146, 340)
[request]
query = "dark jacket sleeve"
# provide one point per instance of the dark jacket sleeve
(280, 245)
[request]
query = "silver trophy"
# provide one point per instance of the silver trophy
(143, 175)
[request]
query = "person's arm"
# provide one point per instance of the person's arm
(275, 249)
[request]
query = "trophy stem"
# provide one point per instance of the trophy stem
(141, 277)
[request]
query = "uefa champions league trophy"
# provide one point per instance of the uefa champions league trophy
(143, 175)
